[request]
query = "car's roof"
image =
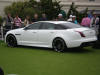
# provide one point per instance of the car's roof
(55, 22)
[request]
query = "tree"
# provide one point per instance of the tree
(63, 13)
(73, 11)
(15, 8)
(52, 9)
(22, 9)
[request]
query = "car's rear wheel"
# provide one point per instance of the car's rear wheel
(59, 45)
(11, 41)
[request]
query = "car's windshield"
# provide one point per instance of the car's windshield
(71, 25)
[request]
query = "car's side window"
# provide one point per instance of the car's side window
(34, 26)
(48, 26)
(60, 27)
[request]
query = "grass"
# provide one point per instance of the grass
(39, 61)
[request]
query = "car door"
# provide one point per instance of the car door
(46, 33)
(29, 34)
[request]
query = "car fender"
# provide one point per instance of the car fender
(62, 36)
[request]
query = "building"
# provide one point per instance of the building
(4, 3)
(82, 4)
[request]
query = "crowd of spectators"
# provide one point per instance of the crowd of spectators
(14, 23)
(91, 21)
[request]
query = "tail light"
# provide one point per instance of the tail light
(82, 35)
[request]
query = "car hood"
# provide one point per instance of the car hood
(14, 30)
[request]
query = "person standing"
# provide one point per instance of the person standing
(8, 21)
(70, 18)
(36, 18)
(74, 20)
(95, 23)
(90, 15)
(86, 21)
(27, 21)
(60, 17)
(17, 22)
(44, 17)
(99, 30)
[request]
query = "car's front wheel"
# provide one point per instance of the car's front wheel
(59, 45)
(11, 41)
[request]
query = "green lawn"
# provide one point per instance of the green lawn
(37, 61)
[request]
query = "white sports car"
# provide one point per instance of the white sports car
(58, 35)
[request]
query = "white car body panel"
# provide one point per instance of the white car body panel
(44, 38)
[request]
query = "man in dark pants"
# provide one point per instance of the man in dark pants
(98, 44)
(1, 72)
(99, 30)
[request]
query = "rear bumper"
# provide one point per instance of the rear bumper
(85, 44)
(81, 42)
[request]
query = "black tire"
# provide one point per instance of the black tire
(59, 45)
(11, 41)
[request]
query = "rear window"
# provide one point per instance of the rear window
(71, 25)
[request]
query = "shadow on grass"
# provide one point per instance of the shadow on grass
(79, 50)
(71, 50)
(35, 48)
